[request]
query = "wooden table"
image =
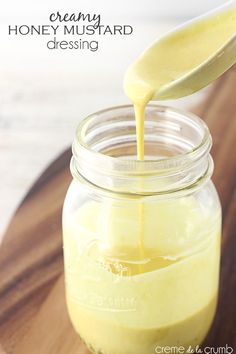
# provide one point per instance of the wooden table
(33, 317)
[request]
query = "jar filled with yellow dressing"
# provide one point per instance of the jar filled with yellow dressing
(141, 238)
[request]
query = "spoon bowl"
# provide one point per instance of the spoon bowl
(186, 59)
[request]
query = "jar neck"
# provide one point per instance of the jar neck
(177, 148)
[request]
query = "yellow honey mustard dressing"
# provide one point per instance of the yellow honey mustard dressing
(117, 309)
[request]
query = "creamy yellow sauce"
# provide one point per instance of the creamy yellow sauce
(118, 309)
(173, 57)
(142, 275)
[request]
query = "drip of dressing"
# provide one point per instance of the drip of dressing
(174, 66)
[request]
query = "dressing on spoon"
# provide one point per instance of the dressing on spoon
(182, 62)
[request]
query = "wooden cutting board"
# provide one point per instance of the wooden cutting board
(33, 317)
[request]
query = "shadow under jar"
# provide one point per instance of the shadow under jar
(141, 238)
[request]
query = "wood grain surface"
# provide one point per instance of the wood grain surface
(33, 317)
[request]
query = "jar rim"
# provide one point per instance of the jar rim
(82, 125)
(116, 167)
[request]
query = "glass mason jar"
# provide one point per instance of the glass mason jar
(141, 238)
